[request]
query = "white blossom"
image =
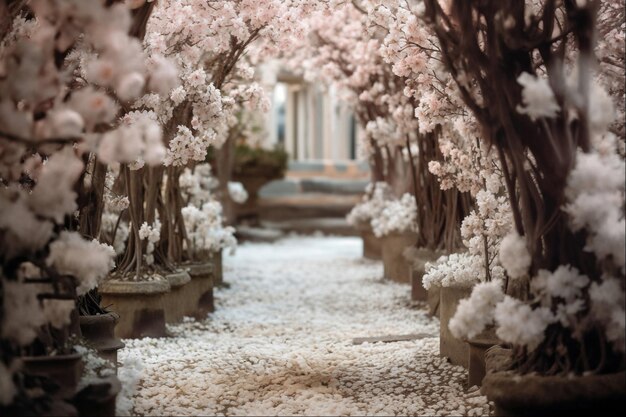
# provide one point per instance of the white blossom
(537, 96)
(518, 323)
(88, 261)
(514, 255)
(475, 313)
(23, 315)
(237, 192)
(53, 196)
(595, 194)
(396, 216)
(607, 307)
(58, 312)
(565, 283)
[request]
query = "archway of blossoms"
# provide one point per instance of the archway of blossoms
(494, 134)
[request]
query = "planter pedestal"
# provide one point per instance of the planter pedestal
(434, 298)
(476, 360)
(252, 182)
(456, 350)
(140, 305)
(372, 246)
(218, 269)
(418, 292)
(536, 395)
(99, 330)
(98, 398)
(422, 256)
(176, 301)
(396, 266)
(200, 291)
(64, 370)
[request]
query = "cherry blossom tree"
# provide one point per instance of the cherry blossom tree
(526, 71)
(215, 80)
(352, 58)
(67, 69)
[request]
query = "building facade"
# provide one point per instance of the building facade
(308, 119)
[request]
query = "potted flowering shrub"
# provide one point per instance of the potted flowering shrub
(395, 226)
(255, 166)
(551, 122)
(208, 237)
(55, 117)
(97, 326)
(362, 214)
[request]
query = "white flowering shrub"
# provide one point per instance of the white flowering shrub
(151, 234)
(483, 232)
(396, 216)
(474, 314)
(203, 216)
(237, 192)
(88, 261)
(68, 71)
(206, 230)
(371, 205)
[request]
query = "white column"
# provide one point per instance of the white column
(311, 121)
(291, 121)
(329, 124)
(301, 134)
(268, 78)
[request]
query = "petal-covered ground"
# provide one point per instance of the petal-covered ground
(280, 343)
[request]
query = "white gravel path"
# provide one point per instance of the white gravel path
(280, 343)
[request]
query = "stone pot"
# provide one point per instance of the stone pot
(98, 398)
(434, 298)
(476, 360)
(176, 301)
(456, 350)
(372, 246)
(218, 269)
(537, 395)
(140, 305)
(396, 266)
(64, 370)
(99, 330)
(200, 290)
(252, 182)
(422, 256)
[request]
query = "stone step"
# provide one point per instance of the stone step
(295, 186)
(329, 226)
(328, 168)
(258, 234)
(306, 206)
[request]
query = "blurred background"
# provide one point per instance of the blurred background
(299, 161)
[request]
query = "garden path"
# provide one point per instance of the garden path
(280, 343)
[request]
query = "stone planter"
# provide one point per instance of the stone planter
(99, 330)
(176, 301)
(252, 182)
(422, 256)
(218, 269)
(64, 370)
(98, 398)
(476, 360)
(200, 290)
(140, 305)
(456, 350)
(434, 298)
(396, 266)
(536, 395)
(372, 246)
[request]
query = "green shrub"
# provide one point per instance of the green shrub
(249, 160)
